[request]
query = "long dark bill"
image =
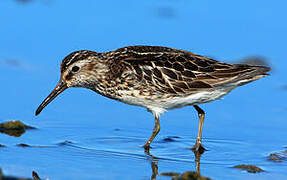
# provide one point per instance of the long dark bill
(58, 89)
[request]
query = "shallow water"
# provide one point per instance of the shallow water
(82, 135)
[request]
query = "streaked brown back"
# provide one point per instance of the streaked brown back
(176, 71)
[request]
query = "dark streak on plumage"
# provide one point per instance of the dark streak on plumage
(161, 70)
(69, 76)
(157, 73)
(190, 66)
(178, 67)
(166, 67)
(76, 56)
(188, 74)
(168, 72)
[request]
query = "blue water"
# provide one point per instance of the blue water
(105, 137)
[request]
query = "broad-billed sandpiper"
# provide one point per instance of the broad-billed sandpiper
(154, 77)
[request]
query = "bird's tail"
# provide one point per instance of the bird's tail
(253, 73)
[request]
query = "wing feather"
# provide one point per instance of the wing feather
(178, 72)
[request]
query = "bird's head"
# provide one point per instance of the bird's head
(77, 70)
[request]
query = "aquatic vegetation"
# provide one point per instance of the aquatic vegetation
(278, 156)
(14, 128)
(249, 168)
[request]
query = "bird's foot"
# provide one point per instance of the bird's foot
(198, 148)
(147, 152)
(146, 147)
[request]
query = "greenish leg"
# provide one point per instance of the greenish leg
(198, 145)
(154, 133)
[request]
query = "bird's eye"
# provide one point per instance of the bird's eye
(75, 69)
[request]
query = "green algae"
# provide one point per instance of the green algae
(189, 175)
(249, 168)
(278, 156)
(14, 128)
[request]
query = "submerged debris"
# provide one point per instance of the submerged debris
(35, 176)
(170, 139)
(189, 175)
(33, 146)
(170, 174)
(3, 177)
(15, 125)
(1, 145)
(249, 168)
(66, 142)
(14, 128)
(23, 145)
(278, 156)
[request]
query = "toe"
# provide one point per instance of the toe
(198, 147)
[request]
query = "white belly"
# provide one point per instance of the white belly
(159, 106)
(197, 98)
(189, 100)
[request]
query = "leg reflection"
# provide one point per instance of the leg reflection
(176, 175)
(197, 156)
(147, 152)
(154, 168)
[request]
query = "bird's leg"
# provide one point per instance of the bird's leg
(198, 145)
(197, 161)
(154, 133)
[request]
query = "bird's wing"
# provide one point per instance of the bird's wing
(176, 71)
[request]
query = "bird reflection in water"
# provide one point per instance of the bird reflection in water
(188, 175)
